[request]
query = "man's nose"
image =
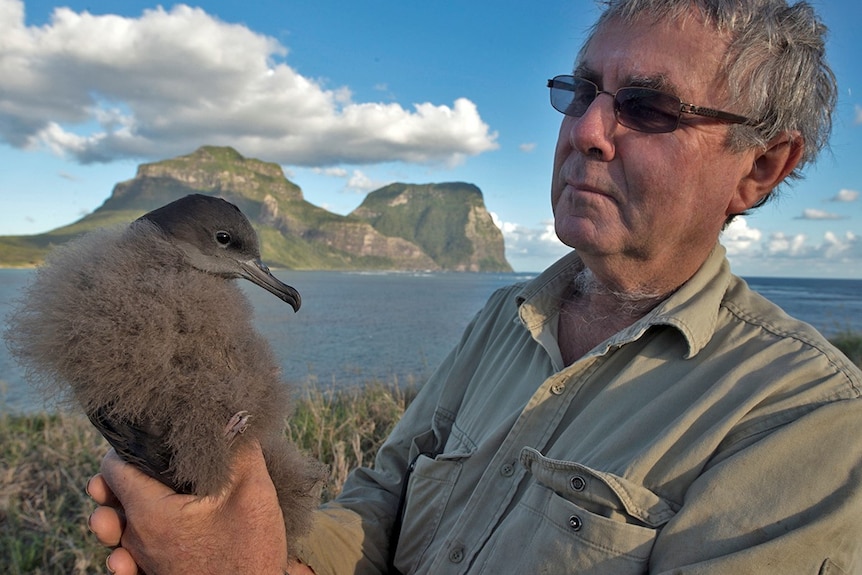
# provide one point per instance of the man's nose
(592, 134)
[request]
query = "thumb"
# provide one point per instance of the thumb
(249, 464)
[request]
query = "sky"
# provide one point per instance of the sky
(350, 96)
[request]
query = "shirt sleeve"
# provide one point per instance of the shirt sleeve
(789, 502)
(352, 533)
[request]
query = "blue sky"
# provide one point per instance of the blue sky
(350, 96)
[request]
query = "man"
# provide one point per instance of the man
(635, 408)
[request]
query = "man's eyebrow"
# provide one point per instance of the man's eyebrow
(657, 81)
(587, 73)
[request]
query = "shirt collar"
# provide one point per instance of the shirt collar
(692, 309)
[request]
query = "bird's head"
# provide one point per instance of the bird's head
(217, 238)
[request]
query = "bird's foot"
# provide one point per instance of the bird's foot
(237, 425)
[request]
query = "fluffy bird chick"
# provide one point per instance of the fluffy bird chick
(144, 329)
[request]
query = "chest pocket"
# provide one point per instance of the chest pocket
(575, 519)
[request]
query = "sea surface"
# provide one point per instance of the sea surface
(356, 328)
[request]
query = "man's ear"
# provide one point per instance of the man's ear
(770, 166)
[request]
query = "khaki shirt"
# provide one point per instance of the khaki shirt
(714, 435)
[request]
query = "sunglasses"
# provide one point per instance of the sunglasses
(641, 109)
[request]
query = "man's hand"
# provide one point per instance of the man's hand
(162, 532)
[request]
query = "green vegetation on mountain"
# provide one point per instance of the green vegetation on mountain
(449, 221)
(402, 226)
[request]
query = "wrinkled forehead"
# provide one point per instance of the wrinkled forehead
(658, 52)
(683, 16)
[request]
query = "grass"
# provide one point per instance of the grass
(850, 343)
(345, 429)
(46, 460)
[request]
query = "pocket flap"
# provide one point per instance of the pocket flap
(599, 491)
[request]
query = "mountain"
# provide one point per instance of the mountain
(399, 227)
(449, 222)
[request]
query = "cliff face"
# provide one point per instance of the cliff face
(217, 171)
(449, 221)
(402, 226)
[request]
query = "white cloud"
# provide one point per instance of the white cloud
(781, 244)
(738, 238)
(812, 214)
(496, 219)
(530, 248)
(527, 147)
(787, 253)
(360, 182)
(99, 88)
(357, 181)
(833, 247)
(332, 172)
(845, 195)
(848, 247)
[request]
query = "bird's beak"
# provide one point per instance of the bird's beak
(257, 272)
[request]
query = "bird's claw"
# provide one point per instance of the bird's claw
(237, 425)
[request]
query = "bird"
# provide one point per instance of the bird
(143, 328)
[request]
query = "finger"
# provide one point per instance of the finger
(120, 562)
(128, 482)
(296, 567)
(107, 524)
(249, 462)
(98, 490)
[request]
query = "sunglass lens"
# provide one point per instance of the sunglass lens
(647, 110)
(572, 96)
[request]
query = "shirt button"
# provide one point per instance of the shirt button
(558, 388)
(578, 483)
(507, 469)
(575, 523)
(456, 555)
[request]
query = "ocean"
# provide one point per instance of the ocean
(356, 328)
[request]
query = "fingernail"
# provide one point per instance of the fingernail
(87, 489)
(108, 564)
(90, 523)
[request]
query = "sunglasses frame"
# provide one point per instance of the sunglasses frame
(567, 82)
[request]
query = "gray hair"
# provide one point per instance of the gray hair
(775, 64)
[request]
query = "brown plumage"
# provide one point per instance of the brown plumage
(144, 329)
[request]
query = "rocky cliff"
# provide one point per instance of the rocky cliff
(449, 221)
(401, 226)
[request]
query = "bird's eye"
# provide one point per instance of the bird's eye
(223, 238)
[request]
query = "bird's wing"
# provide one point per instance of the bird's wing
(141, 444)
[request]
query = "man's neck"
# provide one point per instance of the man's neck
(632, 302)
(592, 311)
